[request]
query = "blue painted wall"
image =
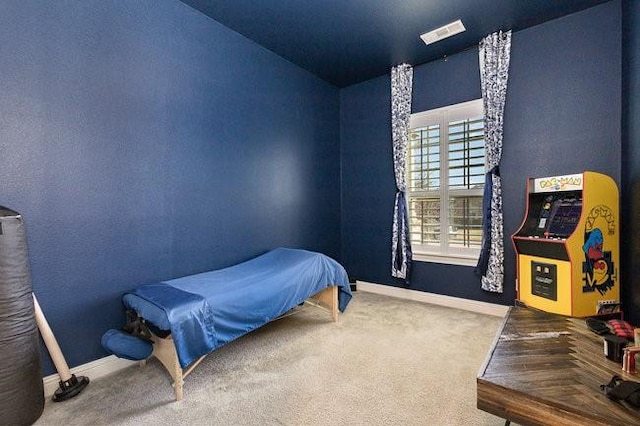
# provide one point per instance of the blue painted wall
(143, 141)
(631, 159)
(563, 115)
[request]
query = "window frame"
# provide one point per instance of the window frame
(443, 116)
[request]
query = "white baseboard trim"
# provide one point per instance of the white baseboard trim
(93, 370)
(435, 299)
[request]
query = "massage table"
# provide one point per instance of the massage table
(192, 316)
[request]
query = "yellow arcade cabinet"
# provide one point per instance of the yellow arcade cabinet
(567, 247)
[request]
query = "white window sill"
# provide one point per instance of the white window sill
(446, 259)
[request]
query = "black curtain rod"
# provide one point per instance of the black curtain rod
(445, 57)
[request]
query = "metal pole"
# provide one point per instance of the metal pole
(70, 385)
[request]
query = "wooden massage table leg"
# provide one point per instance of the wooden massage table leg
(165, 351)
(327, 300)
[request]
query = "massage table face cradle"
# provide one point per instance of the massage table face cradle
(165, 351)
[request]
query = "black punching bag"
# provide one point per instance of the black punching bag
(21, 389)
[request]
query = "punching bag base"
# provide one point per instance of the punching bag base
(70, 388)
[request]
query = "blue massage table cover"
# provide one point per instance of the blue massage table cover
(207, 310)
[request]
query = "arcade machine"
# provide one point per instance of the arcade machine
(567, 247)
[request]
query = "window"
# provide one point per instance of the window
(445, 183)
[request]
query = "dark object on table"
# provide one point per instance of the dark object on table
(625, 392)
(598, 326)
(614, 347)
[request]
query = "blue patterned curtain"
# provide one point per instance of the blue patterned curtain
(401, 85)
(495, 51)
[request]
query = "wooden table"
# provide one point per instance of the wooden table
(546, 369)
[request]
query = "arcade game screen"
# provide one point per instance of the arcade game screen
(553, 215)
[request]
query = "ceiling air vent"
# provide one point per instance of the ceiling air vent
(443, 32)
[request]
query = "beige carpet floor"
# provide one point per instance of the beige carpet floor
(386, 362)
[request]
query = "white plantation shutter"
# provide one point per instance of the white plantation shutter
(445, 180)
